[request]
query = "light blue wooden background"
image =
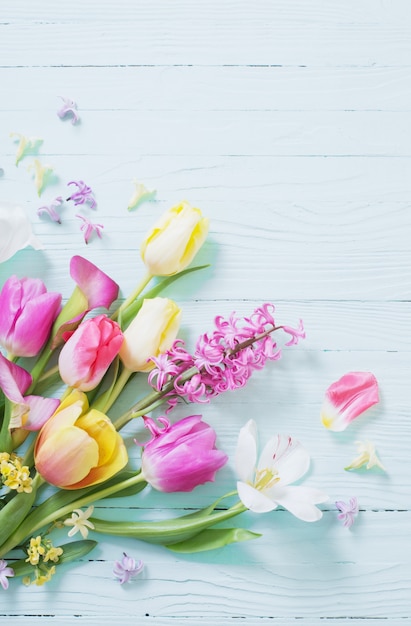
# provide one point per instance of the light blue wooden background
(288, 123)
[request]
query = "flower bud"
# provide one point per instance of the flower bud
(174, 240)
(181, 456)
(151, 333)
(89, 351)
(27, 315)
(78, 447)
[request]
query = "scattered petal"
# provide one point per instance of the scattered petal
(27, 145)
(41, 174)
(140, 194)
(127, 568)
(348, 511)
(15, 231)
(347, 398)
(69, 109)
(83, 195)
(367, 456)
(50, 210)
(88, 228)
(80, 522)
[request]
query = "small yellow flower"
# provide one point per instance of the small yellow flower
(44, 578)
(367, 456)
(35, 550)
(53, 554)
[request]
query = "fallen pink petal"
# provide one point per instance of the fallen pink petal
(347, 398)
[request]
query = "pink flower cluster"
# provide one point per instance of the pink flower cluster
(223, 360)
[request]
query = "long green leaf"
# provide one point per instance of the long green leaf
(212, 539)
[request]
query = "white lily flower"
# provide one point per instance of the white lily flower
(15, 231)
(266, 484)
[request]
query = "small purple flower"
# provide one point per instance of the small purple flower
(5, 573)
(88, 228)
(69, 108)
(127, 568)
(51, 209)
(83, 194)
(348, 510)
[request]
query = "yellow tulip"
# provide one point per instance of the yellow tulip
(151, 333)
(78, 447)
(174, 240)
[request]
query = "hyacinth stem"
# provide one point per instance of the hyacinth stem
(152, 400)
(105, 404)
(130, 299)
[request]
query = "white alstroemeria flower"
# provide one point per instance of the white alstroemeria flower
(367, 456)
(80, 522)
(15, 231)
(140, 193)
(266, 484)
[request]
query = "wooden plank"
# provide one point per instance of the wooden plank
(280, 33)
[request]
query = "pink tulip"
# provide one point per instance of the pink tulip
(348, 398)
(27, 315)
(180, 456)
(89, 351)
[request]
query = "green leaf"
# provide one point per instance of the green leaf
(72, 551)
(212, 539)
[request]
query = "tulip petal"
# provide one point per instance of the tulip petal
(253, 499)
(15, 231)
(100, 428)
(117, 461)
(300, 501)
(347, 398)
(100, 289)
(77, 455)
(41, 409)
(246, 452)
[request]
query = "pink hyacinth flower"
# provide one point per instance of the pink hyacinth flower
(181, 456)
(89, 351)
(27, 315)
(347, 398)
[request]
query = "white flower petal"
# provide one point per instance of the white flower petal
(15, 231)
(246, 452)
(254, 500)
(300, 501)
(286, 456)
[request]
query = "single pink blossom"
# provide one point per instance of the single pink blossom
(88, 228)
(89, 351)
(347, 398)
(127, 568)
(348, 511)
(83, 195)
(50, 210)
(68, 109)
(181, 456)
(28, 311)
(5, 573)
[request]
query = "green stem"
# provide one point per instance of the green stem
(151, 400)
(168, 531)
(144, 282)
(103, 404)
(42, 516)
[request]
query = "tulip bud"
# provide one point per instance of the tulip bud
(151, 333)
(78, 447)
(174, 240)
(180, 456)
(89, 351)
(27, 315)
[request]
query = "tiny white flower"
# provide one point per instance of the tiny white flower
(80, 522)
(367, 456)
(140, 193)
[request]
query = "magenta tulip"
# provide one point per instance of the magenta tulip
(89, 351)
(27, 315)
(181, 456)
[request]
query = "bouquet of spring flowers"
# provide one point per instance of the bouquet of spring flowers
(58, 456)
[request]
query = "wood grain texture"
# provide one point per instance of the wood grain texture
(288, 123)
